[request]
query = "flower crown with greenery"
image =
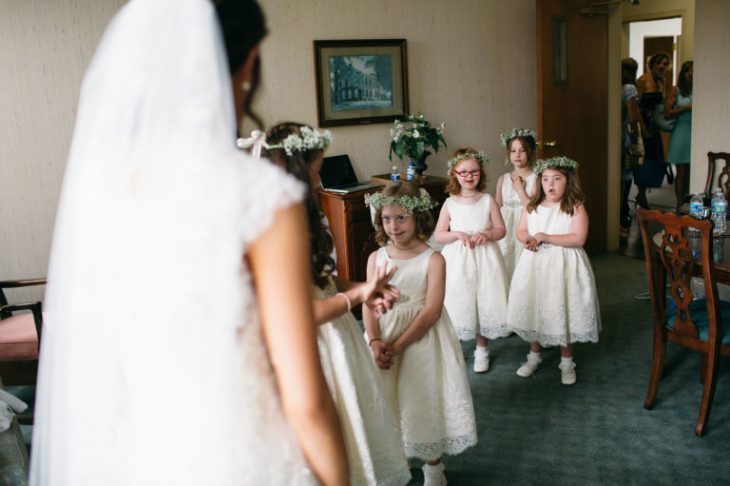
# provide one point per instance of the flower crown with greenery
(480, 157)
(410, 204)
(516, 132)
(310, 139)
(560, 162)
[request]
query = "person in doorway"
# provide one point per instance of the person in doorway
(650, 89)
(631, 130)
(679, 106)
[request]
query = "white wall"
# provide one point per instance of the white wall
(471, 63)
(710, 97)
(44, 49)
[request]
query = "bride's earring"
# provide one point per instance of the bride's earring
(246, 86)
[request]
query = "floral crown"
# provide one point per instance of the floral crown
(516, 132)
(410, 204)
(560, 162)
(310, 139)
(480, 157)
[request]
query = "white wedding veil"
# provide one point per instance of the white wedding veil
(147, 343)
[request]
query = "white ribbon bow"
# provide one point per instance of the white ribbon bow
(255, 142)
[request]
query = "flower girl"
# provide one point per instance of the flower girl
(476, 282)
(514, 189)
(422, 369)
(373, 444)
(553, 299)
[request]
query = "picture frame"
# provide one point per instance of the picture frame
(360, 81)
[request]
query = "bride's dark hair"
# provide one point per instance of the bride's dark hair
(243, 26)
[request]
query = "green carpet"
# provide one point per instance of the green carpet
(537, 431)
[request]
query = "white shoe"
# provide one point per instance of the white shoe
(434, 475)
(481, 364)
(528, 367)
(567, 373)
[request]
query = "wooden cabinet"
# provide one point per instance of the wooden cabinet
(352, 229)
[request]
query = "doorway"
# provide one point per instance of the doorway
(646, 38)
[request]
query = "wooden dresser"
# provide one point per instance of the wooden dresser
(353, 232)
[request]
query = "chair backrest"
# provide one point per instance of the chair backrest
(672, 255)
(719, 174)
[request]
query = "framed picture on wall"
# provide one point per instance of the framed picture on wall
(360, 81)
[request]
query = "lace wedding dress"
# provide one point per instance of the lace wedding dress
(153, 368)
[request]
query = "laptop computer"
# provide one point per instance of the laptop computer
(338, 176)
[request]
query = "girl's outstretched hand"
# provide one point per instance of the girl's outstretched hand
(377, 293)
(531, 243)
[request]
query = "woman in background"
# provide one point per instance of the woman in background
(679, 106)
(631, 122)
(650, 89)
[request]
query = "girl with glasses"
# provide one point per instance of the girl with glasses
(469, 226)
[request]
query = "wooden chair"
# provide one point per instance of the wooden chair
(693, 323)
(723, 176)
(20, 334)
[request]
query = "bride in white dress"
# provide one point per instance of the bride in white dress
(159, 365)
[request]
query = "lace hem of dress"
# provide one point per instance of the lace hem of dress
(557, 339)
(490, 331)
(403, 477)
(447, 445)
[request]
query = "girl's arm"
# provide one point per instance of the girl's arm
(641, 85)
(372, 326)
(633, 115)
(498, 191)
(520, 188)
(431, 310)
(522, 235)
(669, 110)
(376, 293)
(579, 223)
(442, 234)
(497, 230)
(290, 338)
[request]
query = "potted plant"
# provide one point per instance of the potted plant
(415, 141)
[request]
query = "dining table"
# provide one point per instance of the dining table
(720, 251)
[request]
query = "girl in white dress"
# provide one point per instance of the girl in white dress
(514, 190)
(553, 299)
(374, 449)
(160, 363)
(422, 369)
(476, 282)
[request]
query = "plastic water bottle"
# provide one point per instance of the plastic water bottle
(719, 211)
(411, 171)
(696, 206)
(394, 174)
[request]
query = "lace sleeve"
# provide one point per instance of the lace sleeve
(265, 189)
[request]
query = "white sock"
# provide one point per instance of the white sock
(566, 361)
(481, 352)
(533, 356)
